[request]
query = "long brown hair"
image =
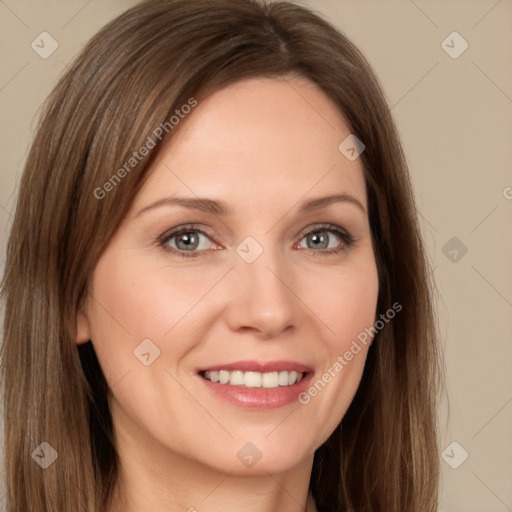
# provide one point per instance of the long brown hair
(129, 80)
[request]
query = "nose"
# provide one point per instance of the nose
(261, 299)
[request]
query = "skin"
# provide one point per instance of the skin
(263, 146)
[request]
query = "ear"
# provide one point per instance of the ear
(83, 333)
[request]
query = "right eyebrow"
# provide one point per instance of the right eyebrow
(204, 204)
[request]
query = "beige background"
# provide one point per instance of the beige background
(455, 118)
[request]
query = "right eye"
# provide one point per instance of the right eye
(186, 240)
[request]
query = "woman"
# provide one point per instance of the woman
(216, 293)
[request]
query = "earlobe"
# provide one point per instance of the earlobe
(83, 334)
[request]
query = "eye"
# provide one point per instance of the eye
(326, 239)
(186, 240)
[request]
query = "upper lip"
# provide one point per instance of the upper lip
(260, 366)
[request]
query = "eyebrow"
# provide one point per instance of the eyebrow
(219, 207)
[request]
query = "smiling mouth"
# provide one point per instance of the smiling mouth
(257, 385)
(267, 380)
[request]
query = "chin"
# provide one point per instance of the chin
(256, 458)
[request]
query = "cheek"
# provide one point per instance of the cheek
(346, 306)
(134, 299)
(144, 301)
(346, 301)
(126, 307)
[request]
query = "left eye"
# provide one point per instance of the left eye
(323, 239)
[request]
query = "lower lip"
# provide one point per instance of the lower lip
(258, 398)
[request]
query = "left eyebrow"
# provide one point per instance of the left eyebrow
(322, 202)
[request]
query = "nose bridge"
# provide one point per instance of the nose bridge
(262, 300)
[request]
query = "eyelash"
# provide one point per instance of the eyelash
(347, 240)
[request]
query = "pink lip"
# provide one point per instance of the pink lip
(260, 366)
(259, 398)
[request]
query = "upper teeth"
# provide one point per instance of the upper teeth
(254, 379)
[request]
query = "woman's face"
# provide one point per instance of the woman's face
(267, 281)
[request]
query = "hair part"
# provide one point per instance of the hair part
(129, 79)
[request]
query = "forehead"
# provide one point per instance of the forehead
(262, 139)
